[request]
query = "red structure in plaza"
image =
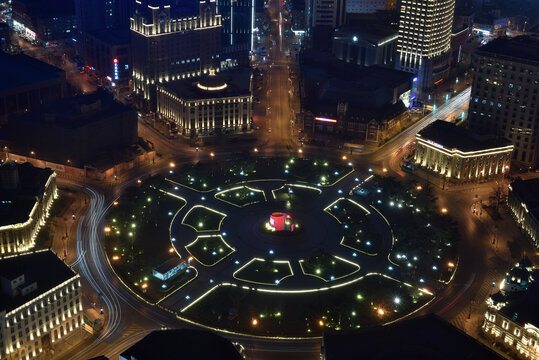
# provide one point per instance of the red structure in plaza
(281, 221)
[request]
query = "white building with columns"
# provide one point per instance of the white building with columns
(460, 155)
(40, 304)
(218, 103)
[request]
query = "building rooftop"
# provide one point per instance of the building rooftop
(223, 84)
(76, 112)
(451, 136)
(528, 192)
(521, 306)
(42, 267)
(191, 344)
(20, 187)
(421, 338)
(370, 32)
(521, 47)
(21, 70)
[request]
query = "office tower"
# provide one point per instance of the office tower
(424, 39)
(103, 14)
(365, 6)
(504, 95)
(237, 18)
(171, 42)
(330, 13)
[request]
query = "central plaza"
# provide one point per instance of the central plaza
(280, 247)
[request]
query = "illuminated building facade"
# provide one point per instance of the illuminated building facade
(511, 318)
(425, 38)
(212, 104)
(237, 41)
(40, 304)
(504, 95)
(172, 42)
(460, 155)
(523, 200)
(26, 195)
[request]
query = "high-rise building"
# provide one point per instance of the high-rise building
(504, 95)
(237, 40)
(366, 6)
(171, 42)
(103, 14)
(329, 13)
(40, 303)
(425, 38)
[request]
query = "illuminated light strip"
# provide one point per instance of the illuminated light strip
(237, 188)
(463, 154)
(262, 260)
(438, 82)
(335, 279)
(205, 237)
(353, 248)
(209, 209)
(325, 119)
(212, 88)
(295, 185)
(361, 183)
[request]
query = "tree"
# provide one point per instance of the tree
(498, 195)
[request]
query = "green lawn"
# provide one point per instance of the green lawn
(374, 300)
(241, 196)
(264, 272)
(210, 175)
(209, 250)
(425, 238)
(296, 193)
(139, 238)
(327, 267)
(203, 219)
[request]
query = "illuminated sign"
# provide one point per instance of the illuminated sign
(116, 71)
(325, 119)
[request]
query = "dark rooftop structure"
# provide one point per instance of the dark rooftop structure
(528, 192)
(223, 84)
(182, 343)
(178, 8)
(20, 186)
(451, 136)
(78, 129)
(521, 47)
(44, 268)
(423, 338)
(21, 70)
(370, 32)
(521, 306)
(369, 92)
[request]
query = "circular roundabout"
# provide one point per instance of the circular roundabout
(280, 247)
